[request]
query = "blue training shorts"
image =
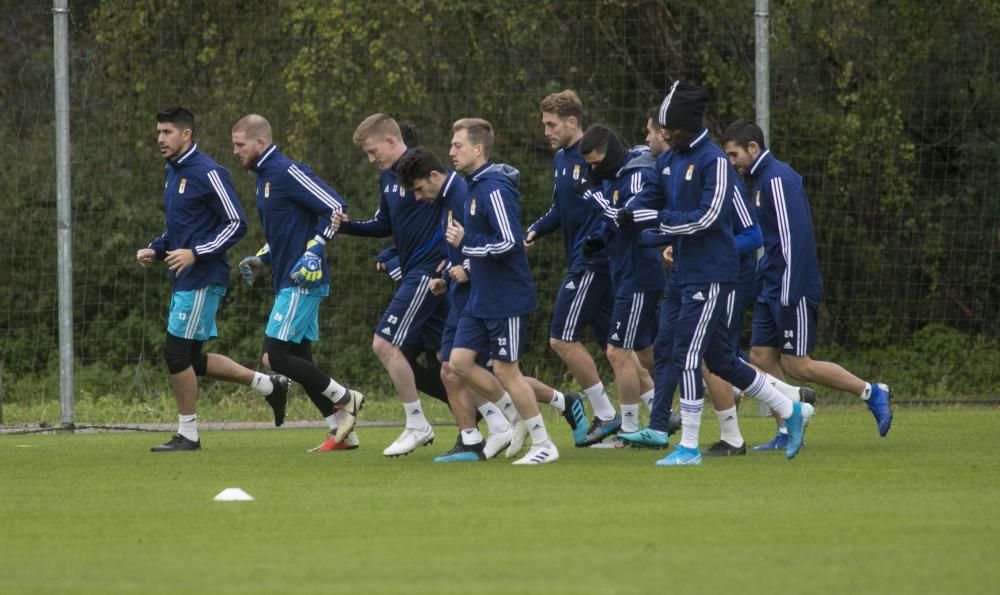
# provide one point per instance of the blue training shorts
(634, 320)
(415, 315)
(585, 299)
(501, 337)
(295, 315)
(790, 329)
(192, 313)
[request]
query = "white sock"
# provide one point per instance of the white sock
(331, 421)
(536, 429)
(761, 390)
(335, 391)
(599, 400)
(730, 426)
(630, 418)
(495, 420)
(415, 419)
(792, 392)
(558, 400)
(506, 405)
(647, 398)
(691, 422)
(471, 436)
(188, 426)
(867, 392)
(262, 383)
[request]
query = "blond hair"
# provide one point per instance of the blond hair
(379, 125)
(254, 127)
(564, 104)
(479, 131)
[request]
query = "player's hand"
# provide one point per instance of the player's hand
(438, 286)
(249, 267)
(454, 233)
(308, 271)
(585, 187)
(338, 218)
(625, 218)
(529, 239)
(668, 255)
(145, 256)
(458, 273)
(179, 260)
(441, 265)
(592, 245)
(380, 266)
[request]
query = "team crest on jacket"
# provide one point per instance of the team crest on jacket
(576, 172)
(690, 173)
(267, 190)
(184, 182)
(472, 207)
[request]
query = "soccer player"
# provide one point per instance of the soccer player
(204, 219)
(698, 181)
(585, 296)
(625, 181)
(295, 208)
(502, 291)
(422, 173)
(415, 316)
(784, 319)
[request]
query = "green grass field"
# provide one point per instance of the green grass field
(916, 512)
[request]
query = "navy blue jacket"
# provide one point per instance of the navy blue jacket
(412, 224)
(203, 215)
(789, 268)
(452, 197)
(498, 266)
(575, 215)
(698, 182)
(634, 267)
(746, 233)
(295, 206)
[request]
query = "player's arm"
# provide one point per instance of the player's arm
(545, 224)
(232, 225)
(159, 246)
(748, 236)
(788, 203)
(307, 190)
(504, 237)
(642, 210)
(717, 189)
(379, 226)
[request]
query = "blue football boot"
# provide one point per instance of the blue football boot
(600, 429)
(779, 442)
(796, 431)
(681, 456)
(879, 404)
(576, 416)
(646, 438)
(463, 453)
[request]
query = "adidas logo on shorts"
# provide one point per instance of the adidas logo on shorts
(787, 345)
(387, 331)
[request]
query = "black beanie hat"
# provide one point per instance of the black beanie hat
(684, 107)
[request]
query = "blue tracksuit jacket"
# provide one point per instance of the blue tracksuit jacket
(203, 215)
(498, 266)
(295, 206)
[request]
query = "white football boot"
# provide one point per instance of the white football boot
(498, 441)
(409, 441)
(540, 454)
(519, 435)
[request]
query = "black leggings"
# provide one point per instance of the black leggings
(295, 361)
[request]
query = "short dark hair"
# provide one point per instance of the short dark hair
(742, 132)
(654, 116)
(596, 138)
(417, 164)
(178, 116)
(408, 130)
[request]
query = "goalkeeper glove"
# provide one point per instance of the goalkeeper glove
(308, 271)
(250, 264)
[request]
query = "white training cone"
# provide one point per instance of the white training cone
(233, 495)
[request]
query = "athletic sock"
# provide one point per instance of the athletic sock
(536, 429)
(792, 392)
(331, 421)
(495, 420)
(630, 418)
(647, 398)
(335, 391)
(471, 436)
(599, 400)
(506, 405)
(415, 419)
(691, 422)
(558, 400)
(867, 392)
(262, 383)
(729, 426)
(188, 426)
(761, 390)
